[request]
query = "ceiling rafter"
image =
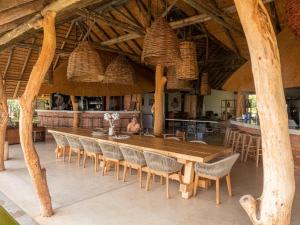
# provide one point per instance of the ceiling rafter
(63, 44)
(23, 71)
(11, 52)
(110, 21)
(217, 14)
(134, 43)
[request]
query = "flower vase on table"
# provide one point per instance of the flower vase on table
(111, 118)
(111, 131)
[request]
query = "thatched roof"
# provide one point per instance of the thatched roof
(289, 49)
(120, 27)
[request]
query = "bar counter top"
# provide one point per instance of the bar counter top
(91, 111)
(257, 127)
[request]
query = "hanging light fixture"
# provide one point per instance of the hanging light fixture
(161, 44)
(187, 68)
(204, 85)
(120, 71)
(175, 84)
(293, 15)
(85, 64)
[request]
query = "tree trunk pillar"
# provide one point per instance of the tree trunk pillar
(3, 123)
(240, 104)
(160, 81)
(274, 205)
(37, 173)
(75, 111)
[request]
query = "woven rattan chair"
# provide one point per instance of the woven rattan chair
(162, 165)
(172, 138)
(198, 142)
(179, 134)
(133, 159)
(111, 153)
(216, 171)
(92, 150)
(62, 145)
(150, 135)
(75, 146)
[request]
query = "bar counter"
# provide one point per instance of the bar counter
(294, 136)
(88, 119)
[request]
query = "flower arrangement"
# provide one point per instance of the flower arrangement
(111, 118)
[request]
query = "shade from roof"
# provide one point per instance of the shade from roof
(289, 49)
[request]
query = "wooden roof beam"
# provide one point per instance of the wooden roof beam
(110, 21)
(22, 10)
(175, 25)
(22, 72)
(11, 52)
(216, 14)
(34, 23)
(63, 44)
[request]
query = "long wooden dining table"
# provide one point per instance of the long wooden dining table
(185, 152)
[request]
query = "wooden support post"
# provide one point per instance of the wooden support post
(3, 122)
(240, 104)
(160, 81)
(37, 173)
(75, 111)
(107, 103)
(275, 204)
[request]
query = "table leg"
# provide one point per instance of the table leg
(186, 187)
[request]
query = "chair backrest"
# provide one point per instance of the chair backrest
(198, 141)
(172, 138)
(162, 163)
(74, 142)
(60, 139)
(219, 168)
(111, 151)
(90, 145)
(132, 155)
(149, 135)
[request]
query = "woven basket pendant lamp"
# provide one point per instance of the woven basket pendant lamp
(120, 71)
(175, 84)
(293, 15)
(160, 44)
(85, 64)
(204, 85)
(187, 69)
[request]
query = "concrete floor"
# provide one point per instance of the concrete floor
(82, 197)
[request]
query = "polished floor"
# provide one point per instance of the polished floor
(82, 197)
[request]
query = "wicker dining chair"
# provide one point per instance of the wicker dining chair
(198, 142)
(172, 138)
(216, 171)
(149, 135)
(111, 153)
(91, 149)
(162, 165)
(62, 145)
(179, 135)
(135, 159)
(75, 146)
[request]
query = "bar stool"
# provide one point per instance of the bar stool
(232, 137)
(239, 143)
(75, 146)
(254, 148)
(227, 134)
(111, 153)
